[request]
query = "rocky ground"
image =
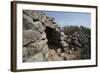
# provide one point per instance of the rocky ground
(44, 40)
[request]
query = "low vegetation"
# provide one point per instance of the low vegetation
(82, 36)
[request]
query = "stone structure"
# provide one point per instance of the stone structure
(43, 39)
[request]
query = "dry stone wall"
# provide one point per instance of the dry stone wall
(43, 39)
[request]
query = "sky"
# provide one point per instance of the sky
(70, 18)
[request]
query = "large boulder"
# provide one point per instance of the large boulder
(35, 15)
(49, 23)
(27, 22)
(38, 45)
(37, 26)
(30, 36)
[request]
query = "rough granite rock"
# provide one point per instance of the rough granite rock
(45, 51)
(25, 54)
(27, 22)
(43, 36)
(35, 15)
(38, 45)
(30, 36)
(38, 27)
(36, 58)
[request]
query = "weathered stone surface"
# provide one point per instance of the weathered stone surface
(43, 36)
(62, 38)
(38, 45)
(28, 22)
(62, 33)
(64, 44)
(45, 51)
(30, 36)
(36, 15)
(38, 26)
(49, 23)
(36, 58)
(68, 40)
(57, 30)
(31, 50)
(25, 54)
(77, 43)
(28, 52)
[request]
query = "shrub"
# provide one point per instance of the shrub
(84, 38)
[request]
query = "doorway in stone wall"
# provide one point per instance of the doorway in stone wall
(53, 37)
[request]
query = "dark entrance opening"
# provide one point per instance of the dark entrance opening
(53, 37)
